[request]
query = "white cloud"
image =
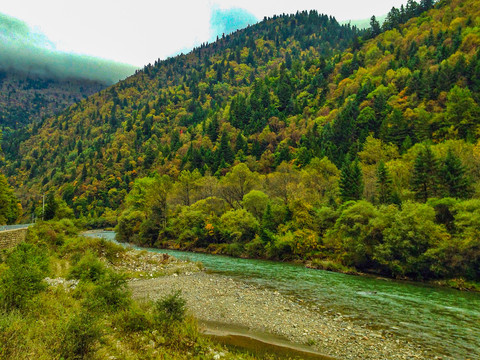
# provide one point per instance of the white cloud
(140, 31)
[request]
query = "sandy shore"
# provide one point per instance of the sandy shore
(221, 300)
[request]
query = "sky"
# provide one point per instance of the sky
(138, 32)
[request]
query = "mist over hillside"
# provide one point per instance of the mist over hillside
(23, 49)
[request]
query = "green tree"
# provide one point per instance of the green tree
(9, 208)
(351, 181)
(51, 206)
(255, 202)
(350, 238)
(407, 238)
(237, 183)
(384, 184)
(186, 185)
(425, 175)
(225, 152)
(374, 26)
(462, 111)
(268, 221)
(454, 180)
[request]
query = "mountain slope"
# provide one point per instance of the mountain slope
(27, 98)
(151, 120)
(273, 92)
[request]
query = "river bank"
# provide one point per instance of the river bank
(457, 284)
(213, 298)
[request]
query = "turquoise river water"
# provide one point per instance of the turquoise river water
(445, 320)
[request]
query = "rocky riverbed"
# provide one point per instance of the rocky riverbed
(219, 299)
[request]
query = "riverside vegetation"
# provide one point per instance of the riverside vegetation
(294, 139)
(61, 297)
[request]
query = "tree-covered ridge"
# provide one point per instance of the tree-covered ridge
(410, 84)
(152, 119)
(257, 96)
(28, 99)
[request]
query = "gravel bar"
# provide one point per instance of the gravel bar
(222, 300)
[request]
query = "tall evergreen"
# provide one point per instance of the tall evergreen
(425, 182)
(351, 181)
(384, 184)
(51, 207)
(455, 183)
(224, 151)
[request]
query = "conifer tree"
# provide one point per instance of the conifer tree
(351, 181)
(51, 207)
(225, 152)
(425, 175)
(267, 225)
(456, 184)
(384, 184)
(84, 173)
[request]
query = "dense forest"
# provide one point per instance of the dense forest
(296, 138)
(27, 99)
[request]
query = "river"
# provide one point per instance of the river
(442, 319)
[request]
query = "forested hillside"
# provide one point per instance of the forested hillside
(296, 138)
(27, 99)
(94, 150)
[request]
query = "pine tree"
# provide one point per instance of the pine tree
(212, 130)
(84, 173)
(224, 151)
(454, 181)
(374, 27)
(240, 142)
(51, 207)
(425, 175)
(268, 224)
(351, 181)
(384, 184)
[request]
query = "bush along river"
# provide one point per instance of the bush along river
(445, 321)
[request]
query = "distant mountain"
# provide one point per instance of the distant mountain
(153, 116)
(287, 89)
(26, 98)
(37, 82)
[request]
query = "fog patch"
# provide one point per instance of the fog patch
(26, 50)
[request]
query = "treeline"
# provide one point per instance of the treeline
(407, 216)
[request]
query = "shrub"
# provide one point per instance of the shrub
(88, 268)
(234, 249)
(27, 267)
(281, 248)
(12, 335)
(255, 248)
(111, 292)
(132, 319)
(170, 309)
(80, 336)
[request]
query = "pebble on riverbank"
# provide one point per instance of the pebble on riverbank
(215, 298)
(142, 264)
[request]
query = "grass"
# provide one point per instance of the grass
(96, 320)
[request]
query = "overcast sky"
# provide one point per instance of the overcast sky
(140, 31)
